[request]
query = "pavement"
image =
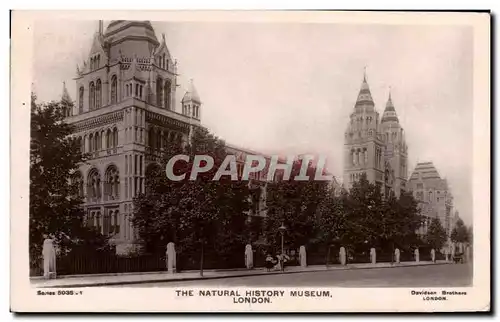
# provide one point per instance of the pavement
(94, 280)
(418, 277)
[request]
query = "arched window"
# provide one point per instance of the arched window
(77, 180)
(150, 138)
(159, 92)
(80, 100)
(168, 89)
(91, 143)
(158, 140)
(115, 137)
(97, 142)
(94, 185)
(112, 183)
(164, 66)
(136, 90)
(113, 90)
(109, 139)
(92, 96)
(98, 96)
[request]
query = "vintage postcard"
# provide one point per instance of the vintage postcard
(241, 161)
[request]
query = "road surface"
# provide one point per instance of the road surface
(448, 275)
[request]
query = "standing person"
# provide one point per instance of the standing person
(269, 262)
(284, 259)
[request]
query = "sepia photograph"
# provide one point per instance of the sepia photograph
(252, 161)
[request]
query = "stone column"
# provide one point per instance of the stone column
(373, 255)
(171, 258)
(49, 259)
(417, 255)
(303, 256)
(433, 255)
(397, 255)
(248, 257)
(342, 256)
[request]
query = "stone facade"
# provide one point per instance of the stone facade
(375, 147)
(433, 194)
(125, 114)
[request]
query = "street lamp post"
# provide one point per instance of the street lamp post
(282, 230)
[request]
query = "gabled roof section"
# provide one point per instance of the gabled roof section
(97, 44)
(162, 48)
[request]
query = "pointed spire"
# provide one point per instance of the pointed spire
(191, 94)
(364, 96)
(389, 106)
(390, 111)
(65, 95)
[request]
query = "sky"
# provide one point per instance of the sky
(290, 88)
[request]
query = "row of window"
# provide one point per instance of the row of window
(129, 90)
(108, 224)
(95, 62)
(158, 139)
(163, 93)
(356, 176)
(95, 94)
(162, 61)
(93, 141)
(359, 156)
(137, 165)
(430, 196)
(360, 120)
(191, 111)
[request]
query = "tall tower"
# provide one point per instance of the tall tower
(124, 118)
(363, 145)
(396, 150)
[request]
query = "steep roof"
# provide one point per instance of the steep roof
(191, 94)
(65, 94)
(427, 171)
(364, 96)
(390, 112)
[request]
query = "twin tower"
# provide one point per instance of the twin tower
(375, 147)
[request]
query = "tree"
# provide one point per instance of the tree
(55, 190)
(459, 234)
(293, 203)
(200, 216)
(436, 235)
